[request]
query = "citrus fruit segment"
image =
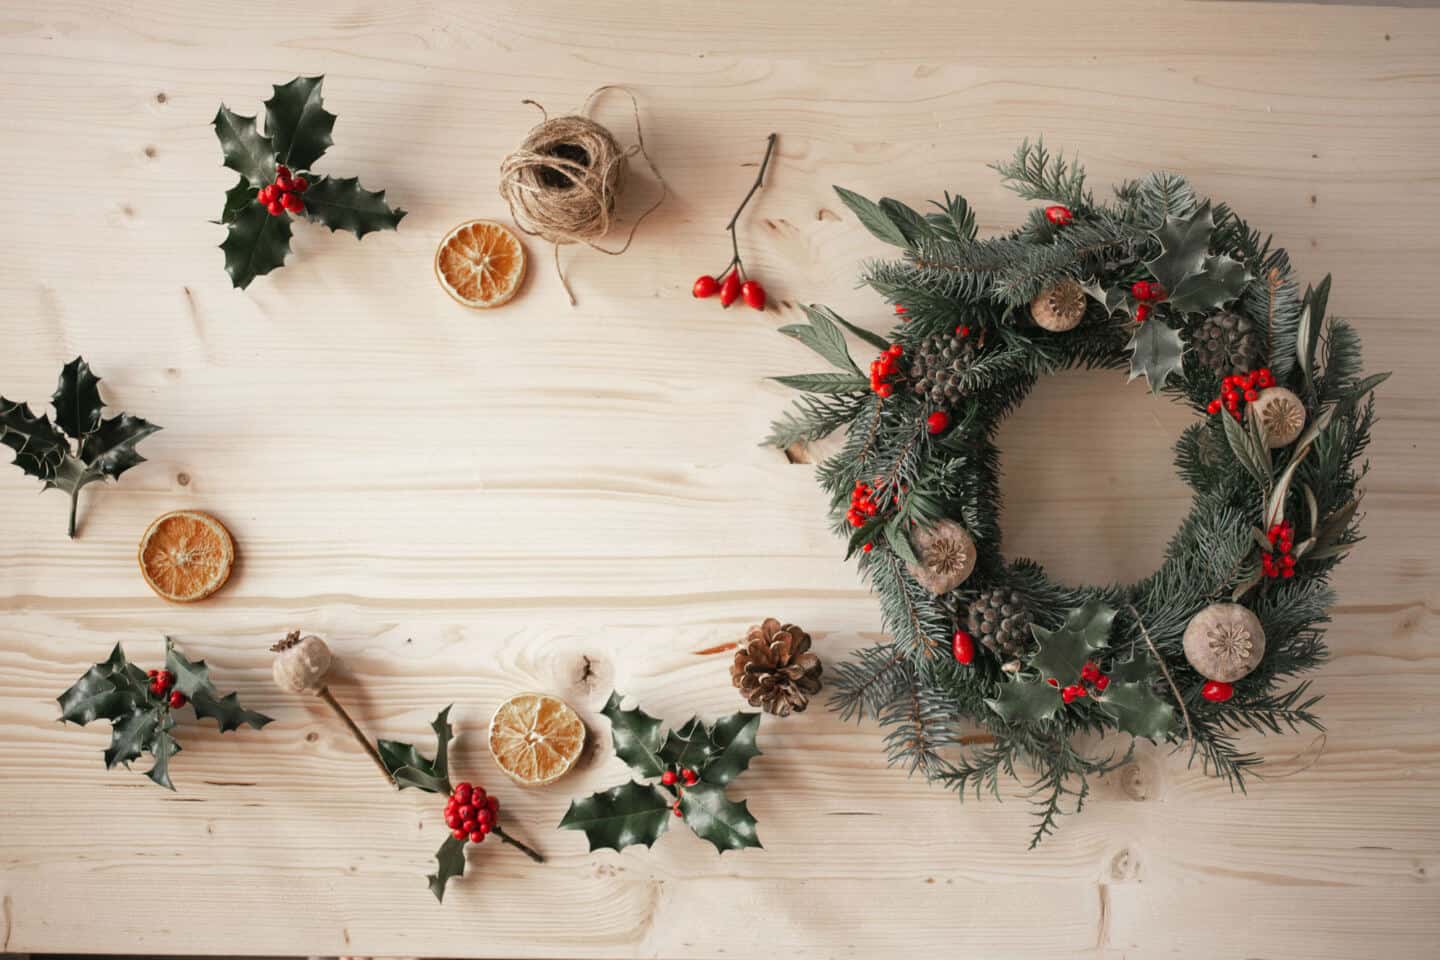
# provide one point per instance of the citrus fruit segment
(480, 263)
(186, 555)
(536, 738)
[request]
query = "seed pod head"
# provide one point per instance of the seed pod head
(301, 663)
(1059, 307)
(1224, 642)
(1280, 414)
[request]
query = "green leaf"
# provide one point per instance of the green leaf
(1112, 299)
(1026, 701)
(636, 736)
(1253, 456)
(131, 735)
(110, 690)
(1194, 280)
(689, 746)
(246, 150)
(77, 399)
(237, 198)
(192, 678)
(718, 819)
(408, 767)
(255, 244)
(1137, 710)
(825, 382)
(617, 818)
(340, 203)
(1156, 352)
(1275, 507)
(162, 748)
(1064, 652)
(450, 862)
(873, 217)
(733, 742)
(1307, 335)
(110, 450)
(824, 337)
(298, 123)
(1328, 533)
(912, 226)
(40, 449)
(874, 339)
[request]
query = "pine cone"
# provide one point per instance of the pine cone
(1000, 620)
(1228, 343)
(775, 670)
(938, 364)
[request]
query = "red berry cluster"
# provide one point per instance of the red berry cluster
(162, 684)
(730, 289)
(883, 366)
(1280, 562)
(862, 504)
(1147, 293)
(1089, 674)
(902, 313)
(671, 777)
(284, 193)
(1217, 691)
(470, 813)
(1059, 215)
(1241, 386)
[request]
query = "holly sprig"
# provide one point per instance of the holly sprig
(693, 764)
(297, 134)
(142, 711)
(102, 448)
(408, 767)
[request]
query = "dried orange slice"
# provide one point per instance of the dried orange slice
(480, 263)
(536, 738)
(186, 556)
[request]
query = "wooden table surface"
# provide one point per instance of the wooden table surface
(468, 504)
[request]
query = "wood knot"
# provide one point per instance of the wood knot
(1134, 782)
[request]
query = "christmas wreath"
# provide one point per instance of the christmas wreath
(1177, 290)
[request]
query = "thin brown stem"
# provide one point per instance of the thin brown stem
(1160, 662)
(735, 260)
(356, 732)
(528, 851)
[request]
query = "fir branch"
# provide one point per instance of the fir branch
(1035, 174)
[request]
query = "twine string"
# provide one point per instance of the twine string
(563, 181)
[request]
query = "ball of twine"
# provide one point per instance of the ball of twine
(564, 180)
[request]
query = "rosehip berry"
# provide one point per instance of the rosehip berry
(1140, 290)
(274, 207)
(299, 184)
(293, 203)
(1059, 215)
(177, 700)
(706, 286)
(937, 422)
(476, 836)
(963, 646)
(668, 778)
(754, 294)
(1142, 313)
(1217, 692)
(730, 288)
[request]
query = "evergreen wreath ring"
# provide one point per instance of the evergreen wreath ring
(1177, 290)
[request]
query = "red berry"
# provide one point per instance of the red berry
(706, 286)
(1213, 406)
(468, 824)
(1157, 292)
(678, 813)
(1101, 682)
(1252, 395)
(690, 776)
(868, 547)
(1142, 313)
(963, 330)
(1217, 692)
(1053, 682)
(493, 804)
(885, 390)
(485, 817)
(1140, 290)
(1267, 379)
(458, 834)
(177, 700)
(1090, 671)
(937, 422)
(668, 778)
(1069, 694)
(467, 812)
(282, 181)
(901, 310)
(274, 207)
(730, 288)
(963, 646)
(281, 170)
(895, 350)
(293, 203)
(152, 674)
(486, 828)
(299, 184)
(754, 294)
(476, 836)
(463, 791)
(1059, 215)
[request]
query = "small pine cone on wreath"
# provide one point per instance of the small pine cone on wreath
(775, 670)
(939, 363)
(1000, 620)
(1228, 343)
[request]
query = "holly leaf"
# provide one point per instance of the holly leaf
(1156, 351)
(636, 736)
(824, 337)
(192, 678)
(131, 735)
(410, 768)
(450, 862)
(162, 748)
(620, 817)
(689, 746)
(237, 198)
(1195, 280)
(340, 203)
(247, 151)
(110, 690)
(1112, 299)
(1064, 652)
(733, 741)
(255, 244)
(298, 123)
(714, 817)
(110, 450)
(1137, 710)
(1026, 701)
(40, 449)
(77, 399)
(873, 217)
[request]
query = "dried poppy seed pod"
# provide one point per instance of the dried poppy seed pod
(1224, 642)
(1059, 307)
(301, 663)
(1280, 414)
(947, 556)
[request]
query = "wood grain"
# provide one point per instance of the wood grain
(469, 504)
